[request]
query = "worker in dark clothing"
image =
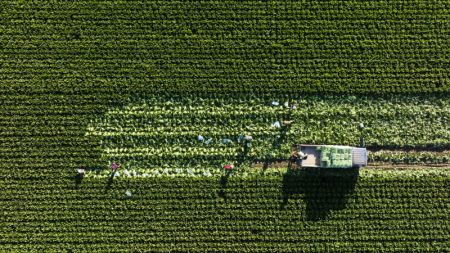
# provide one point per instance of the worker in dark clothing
(287, 123)
(248, 141)
(302, 156)
(294, 156)
(81, 172)
(294, 159)
(362, 141)
(247, 144)
(297, 158)
(80, 175)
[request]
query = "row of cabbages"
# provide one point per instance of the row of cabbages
(207, 131)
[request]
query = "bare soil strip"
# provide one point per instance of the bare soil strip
(378, 165)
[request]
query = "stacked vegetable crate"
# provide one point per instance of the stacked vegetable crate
(335, 157)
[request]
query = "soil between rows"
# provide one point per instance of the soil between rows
(280, 163)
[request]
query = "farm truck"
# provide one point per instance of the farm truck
(329, 156)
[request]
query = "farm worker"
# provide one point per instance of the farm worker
(244, 138)
(287, 122)
(302, 155)
(228, 166)
(294, 157)
(275, 103)
(248, 141)
(81, 172)
(362, 141)
(276, 124)
(115, 166)
(226, 141)
(208, 141)
(240, 138)
(200, 138)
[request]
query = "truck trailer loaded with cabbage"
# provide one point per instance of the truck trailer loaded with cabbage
(331, 156)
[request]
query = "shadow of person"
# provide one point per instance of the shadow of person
(242, 156)
(223, 185)
(78, 179)
(110, 181)
(265, 166)
(322, 190)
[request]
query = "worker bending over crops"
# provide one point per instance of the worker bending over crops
(294, 157)
(81, 172)
(302, 156)
(287, 123)
(362, 141)
(247, 144)
(115, 166)
(297, 158)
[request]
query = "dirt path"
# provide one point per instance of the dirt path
(406, 166)
(381, 165)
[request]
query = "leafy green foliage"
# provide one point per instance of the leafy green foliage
(159, 134)
(409, 157)
(306, 212)
(277, 46)
(64, 64)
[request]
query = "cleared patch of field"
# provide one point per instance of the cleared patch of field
(193, 135)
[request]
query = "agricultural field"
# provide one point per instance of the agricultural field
(159, 134)
(169, 89)
(306, 212)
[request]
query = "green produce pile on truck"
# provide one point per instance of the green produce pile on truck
(331, 156)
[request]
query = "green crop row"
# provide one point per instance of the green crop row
(303, 211)
(153, 132)
(309, 47)
(410, 157)
(69, 75)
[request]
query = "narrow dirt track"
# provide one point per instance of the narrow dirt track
(380, 165)
(407, 166)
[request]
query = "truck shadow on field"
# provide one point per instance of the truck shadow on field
(322, 190)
